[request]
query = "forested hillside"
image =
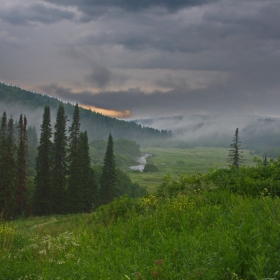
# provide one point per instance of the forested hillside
(97, 125)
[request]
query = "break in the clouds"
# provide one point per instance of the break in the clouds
(151, 57)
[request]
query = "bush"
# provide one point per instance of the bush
(149, 167)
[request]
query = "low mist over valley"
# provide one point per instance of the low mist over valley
(258, 133)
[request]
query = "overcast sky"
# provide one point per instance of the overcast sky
(146, 58)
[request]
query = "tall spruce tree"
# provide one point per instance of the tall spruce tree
(60, 162)
(7, 168)
(75, 172)
(109, 174)
(89, 185)
(235, 157)
(43, 195)
(12, 167)
(22, 155)
(3, 147)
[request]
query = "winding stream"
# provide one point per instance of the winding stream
(142, 162)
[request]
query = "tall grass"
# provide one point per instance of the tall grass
(205, 235)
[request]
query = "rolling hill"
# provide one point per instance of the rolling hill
(16, 101)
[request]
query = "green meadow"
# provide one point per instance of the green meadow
(203, 235)
(220, 224)
(177, 161)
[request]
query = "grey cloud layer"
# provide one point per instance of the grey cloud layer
(97, 52)
(217, 99)
(34, 13)
(92, 6)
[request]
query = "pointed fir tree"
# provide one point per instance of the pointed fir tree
(7, 169)
(235, 157)
(89, 186)
(22, 155)
(3, 148)
(109, 174)
(75, 173)
(12, 167)
(43, 194)
(60, 162)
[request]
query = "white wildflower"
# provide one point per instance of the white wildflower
(42, 252)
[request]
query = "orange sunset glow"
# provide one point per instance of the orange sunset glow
(107, 112)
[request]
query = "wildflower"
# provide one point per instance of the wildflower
(42, 252)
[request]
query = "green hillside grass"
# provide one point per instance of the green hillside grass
(220, 225)
(177, 161)
(208, 235)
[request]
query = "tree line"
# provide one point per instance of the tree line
(64, 180)
(98, 125)
(13, 165)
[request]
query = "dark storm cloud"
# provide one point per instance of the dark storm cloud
(92, 7)
(100, 77)
(223, 29)
(34, 13)
(218, 98)
(123, 49)
(261, 20)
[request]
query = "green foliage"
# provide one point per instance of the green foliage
(7, 169)
(89, 187)
(75, 172)
(178, 161)
(32, 146)
(149, 167)
(22, 156)
(124, 186)
(262, 180)
(43, 196)
(125, 152)
(59, 171)
(109, 175)
(208, 235)
(122, 208)
(235, 157)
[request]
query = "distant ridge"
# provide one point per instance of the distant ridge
(15, 100)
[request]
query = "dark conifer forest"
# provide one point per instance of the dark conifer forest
(97, 125)
(63, 180)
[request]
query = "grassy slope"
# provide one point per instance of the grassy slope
(177, 161)
(203, 236)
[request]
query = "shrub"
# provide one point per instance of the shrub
(149, 167)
